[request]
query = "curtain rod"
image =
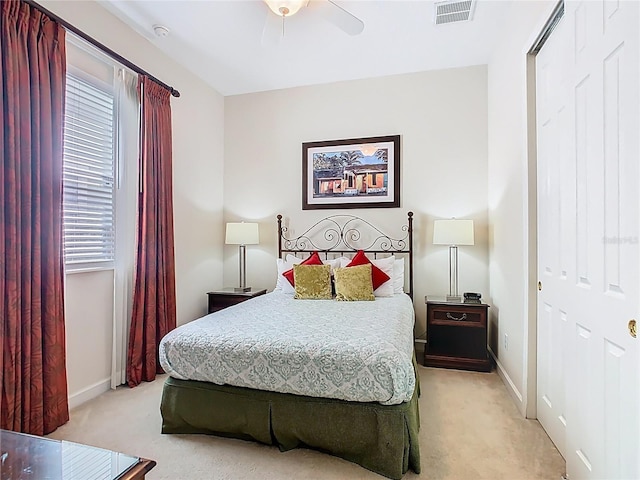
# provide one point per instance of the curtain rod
(102, 47)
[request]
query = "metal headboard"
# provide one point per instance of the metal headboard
(343, 234)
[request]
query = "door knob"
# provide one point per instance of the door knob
(539, 286)
(632, 328)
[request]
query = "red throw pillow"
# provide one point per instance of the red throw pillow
(313, 259)
(378, 277)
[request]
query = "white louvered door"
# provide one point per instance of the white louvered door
(588, 107)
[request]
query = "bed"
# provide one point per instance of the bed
(295, 373)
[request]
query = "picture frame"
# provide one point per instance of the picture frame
(351, 173)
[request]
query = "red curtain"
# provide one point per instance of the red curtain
(33, 378)
(154, 299)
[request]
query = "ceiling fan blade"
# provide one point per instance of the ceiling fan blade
(272, 32)
(334, 13)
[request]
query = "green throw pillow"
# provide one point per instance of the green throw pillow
(312, 282)
(354, 283)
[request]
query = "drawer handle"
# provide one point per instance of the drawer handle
(457, 319)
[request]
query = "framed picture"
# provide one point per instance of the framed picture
(351, 173)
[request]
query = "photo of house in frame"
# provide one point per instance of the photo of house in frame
(351, 173)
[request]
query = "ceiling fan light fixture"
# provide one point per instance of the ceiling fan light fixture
(285, 8)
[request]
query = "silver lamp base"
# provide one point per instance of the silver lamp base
(453, 275)
(243, 271)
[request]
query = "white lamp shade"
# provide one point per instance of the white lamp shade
(242, 234)
(453, 232)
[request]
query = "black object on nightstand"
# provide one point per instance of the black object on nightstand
(219, 299)
(456, 335)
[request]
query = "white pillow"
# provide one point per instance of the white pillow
(387, 266)
(282, 284)
(335, 262)
(398, 276)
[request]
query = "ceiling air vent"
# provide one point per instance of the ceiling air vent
(453, 11)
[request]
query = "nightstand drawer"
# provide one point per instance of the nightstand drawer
(220, 302)
(457, 316)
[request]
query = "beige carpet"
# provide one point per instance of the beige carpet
(470, 430)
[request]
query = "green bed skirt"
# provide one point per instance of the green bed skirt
(381, 438)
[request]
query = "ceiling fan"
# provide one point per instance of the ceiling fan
(326, 9)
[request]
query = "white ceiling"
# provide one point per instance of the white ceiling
(221, 41)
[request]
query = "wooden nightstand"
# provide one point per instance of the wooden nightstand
(456, 335)
(219, 299)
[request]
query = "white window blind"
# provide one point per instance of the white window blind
(88, 175)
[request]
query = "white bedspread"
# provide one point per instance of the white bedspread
(355, 351)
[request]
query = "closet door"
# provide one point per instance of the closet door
(588, 236)
(556, 201)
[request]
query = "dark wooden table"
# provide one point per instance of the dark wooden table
(456, 335)
(220, 299)
(28, 457)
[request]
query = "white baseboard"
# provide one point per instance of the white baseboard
(511, 387)
(92, 391)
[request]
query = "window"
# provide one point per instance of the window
(100, 183)
(88, 174)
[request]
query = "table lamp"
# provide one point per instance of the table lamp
(453, 232)
(242, 234)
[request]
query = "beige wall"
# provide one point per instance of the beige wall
(508, 198)
(197, 164)
(442, 119)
